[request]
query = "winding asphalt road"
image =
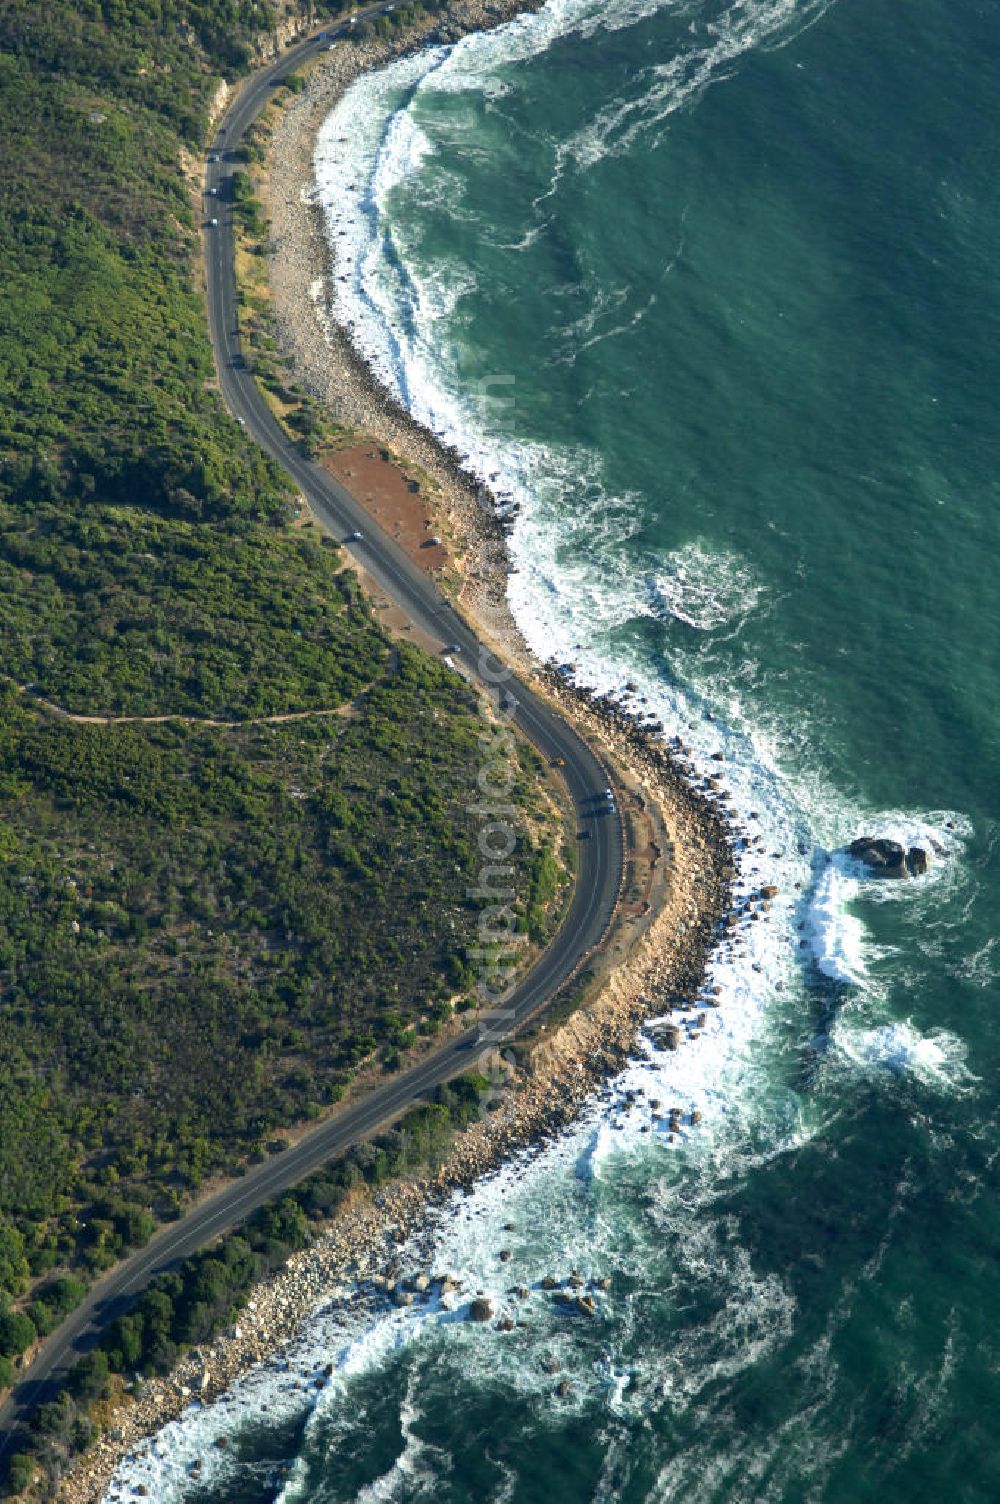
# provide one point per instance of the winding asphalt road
(600, 854)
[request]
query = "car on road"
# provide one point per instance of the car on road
(355, 537)
(242, 422)
(452, 647)
(213, 224)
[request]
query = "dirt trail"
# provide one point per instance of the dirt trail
(349, 708)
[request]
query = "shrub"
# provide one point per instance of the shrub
(17, 1333)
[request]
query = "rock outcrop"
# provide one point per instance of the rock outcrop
(885, 858)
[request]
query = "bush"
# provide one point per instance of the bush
(17, 1333)
(20, 1472)
(88, 1380)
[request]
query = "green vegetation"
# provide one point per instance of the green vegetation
(130, 614)
(397, 21)
(206, 930)
(138, 523)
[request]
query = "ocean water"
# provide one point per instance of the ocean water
(707, 289)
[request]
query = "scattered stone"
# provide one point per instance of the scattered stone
(481, 1309)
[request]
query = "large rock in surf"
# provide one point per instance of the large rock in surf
(665, 1036)
(885, 858)
(481, 1309)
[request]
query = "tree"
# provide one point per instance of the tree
(14, 1271)
(89, 1378)
(17, 1332)
(20, 1472)
(123, 1343)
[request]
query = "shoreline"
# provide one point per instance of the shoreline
(684, 906)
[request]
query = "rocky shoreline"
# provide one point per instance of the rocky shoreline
(654, 962)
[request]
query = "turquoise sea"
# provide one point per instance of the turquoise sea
(709, 288)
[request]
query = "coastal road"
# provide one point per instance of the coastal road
(601, 854)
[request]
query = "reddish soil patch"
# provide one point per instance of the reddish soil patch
(392, 499)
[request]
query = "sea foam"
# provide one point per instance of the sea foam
(936, 1058)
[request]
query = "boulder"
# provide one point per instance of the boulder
(917, 861)
(882, 857)
(481, 1309)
